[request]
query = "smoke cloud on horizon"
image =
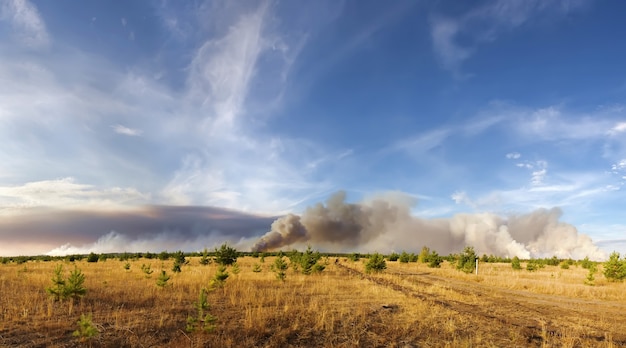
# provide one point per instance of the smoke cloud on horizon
(385, 224)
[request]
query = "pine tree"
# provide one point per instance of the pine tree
(74, 286)
(516, 264)
(162, 279)
(375, 264)
(280, 268)
(57, 290)
(614, 268)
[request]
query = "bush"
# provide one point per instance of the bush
(57, 290)
(226, 255)
(375, 264)
(205, 259)
(86, 328)
(586, 263)
(179, 260)
(404, 257)
(308, 262)
(516, 264)
(220, 277)
(467, 260)
(92, 257)
(434, 260)
(393, 257)
(162, 279)
(280, 267)
(202, 321)
(590, 279)
(614, 268)
(533, 265)
(147, 270)
(423, 256)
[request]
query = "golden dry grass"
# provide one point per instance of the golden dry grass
(409, 305)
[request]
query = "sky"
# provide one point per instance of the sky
(170, 125)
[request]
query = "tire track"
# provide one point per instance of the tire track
(535, 314)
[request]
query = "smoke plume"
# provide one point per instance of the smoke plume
(385, 224)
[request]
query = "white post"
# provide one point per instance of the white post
(476, 266)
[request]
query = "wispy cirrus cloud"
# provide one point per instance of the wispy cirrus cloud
(456, 38)
(190, 144)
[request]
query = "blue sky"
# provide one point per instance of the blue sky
(264, 108)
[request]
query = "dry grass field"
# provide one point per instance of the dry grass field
(409, 305)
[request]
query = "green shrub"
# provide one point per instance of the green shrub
(205, 259)
(162, 279)
(92, 257)
(467, 260)
(586, 263)
(70, 287)
(201, 321)
(57, 290)
(179, 260)
(74, 286)
(226, 255)
(434, 260)
(590, 279)
(86, 328)
(393, 257)
(235, 268)
(614, 268)
(516, 264)
(375, 264)
(147, 270)
(280, 268)
(220, 277)
(423, 256)
(404, 257)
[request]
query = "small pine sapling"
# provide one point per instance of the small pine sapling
(280, 267)
(590, 279)
(127, 266)
(147, 270)
(220, 277)
(74, 286)
(203, 322)
(256, 268)
(235, 268)
(86, 328)
(205, 259)
(162, 279)
(57, 290)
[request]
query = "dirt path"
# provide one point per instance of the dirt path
(536, 315)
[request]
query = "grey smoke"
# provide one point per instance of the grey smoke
(385, 223)
(148, 228)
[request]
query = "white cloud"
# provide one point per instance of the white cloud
(119, 129)
(620, 127)
(65, 193)
(25, 18)
(513, 155)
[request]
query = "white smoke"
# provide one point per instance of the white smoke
(384, 223)
(114, 242)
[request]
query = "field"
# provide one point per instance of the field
(409, 305)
